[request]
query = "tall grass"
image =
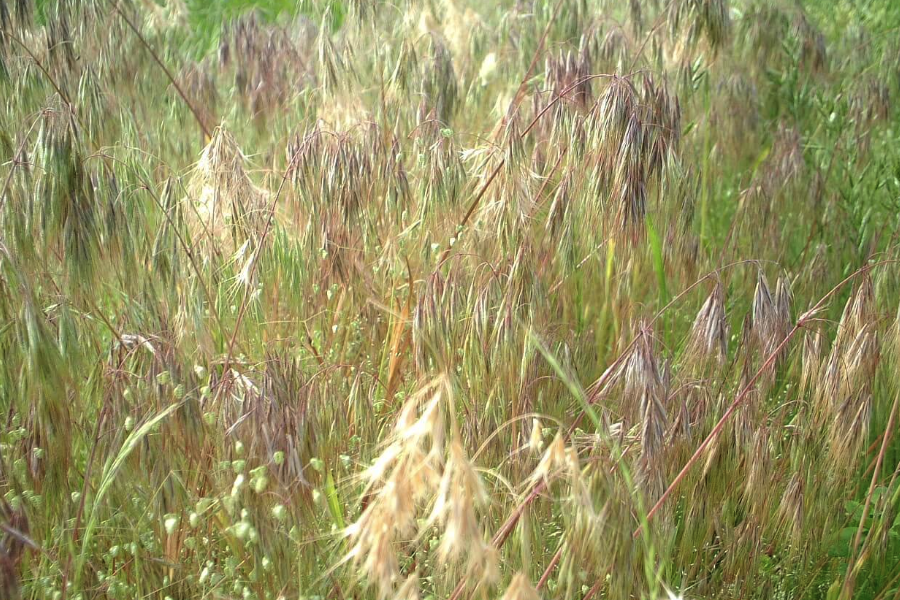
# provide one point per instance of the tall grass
(547, 299)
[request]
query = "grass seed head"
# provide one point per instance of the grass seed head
(520, 589)
(709, 334)
(792, 508)
(228, 206)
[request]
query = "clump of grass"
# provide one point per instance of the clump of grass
(564, 299)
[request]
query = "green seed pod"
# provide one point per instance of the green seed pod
(279, 512)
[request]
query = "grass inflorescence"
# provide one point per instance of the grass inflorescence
(547, 299)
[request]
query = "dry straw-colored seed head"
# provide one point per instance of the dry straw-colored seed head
(617, 107)
(644, 386)
(709, 334)
(552, 461)
(227, 206)
(409, 590)
(792, 508)
(413, 470)
(662, 120)
(460, 492)
(757, 488)
(406, 473)
(536, 439)
(812, 360)
(520, 589)
(770, 315)
(844, 394)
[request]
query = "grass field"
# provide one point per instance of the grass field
(449, 300)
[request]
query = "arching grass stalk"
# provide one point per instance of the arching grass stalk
(110, 472)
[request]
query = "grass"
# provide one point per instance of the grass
(552, 299)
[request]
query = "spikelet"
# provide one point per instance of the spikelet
(683, 420)
(695, 21)
(811, 371)
(332, 70)
(763, 315)
(552, 461)
(567, 73)
(853, 411)
(614, 49)
(791, 510)
(771, 317)
(784, 298)
(520, 589)
(631, 138)
(445, 175)
(438, 80)
(629, 182)
(403, 76)
(462, 30)
(406, 472)
(459, 493)
(757, 487)
(507, 204)
(536, 439)
(644, 385)
(266, 61)
(844, 396)
(617, 108)
(409, 590)
(411, 469)
(709, 334)
(227, 207)
(199, 83)
(618, 134)
(434, 323)
(662, 123)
